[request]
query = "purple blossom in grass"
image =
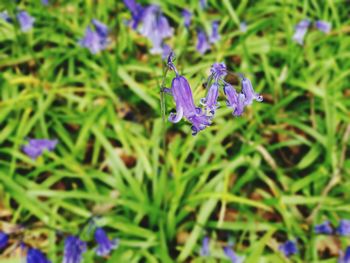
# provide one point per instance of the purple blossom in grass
(232, 255)
(243, 27)
(211, 100)
(45, 2)
(344, 227)
(187, 16)
(136, 12)
(101, 29)
(203, 4)
(4, 238)
(166, 51)
(25, 21)
(234, 100)
(36, 147)
(323, 26)
(105, 245)
(324, 228)
(202, 42)
(5, 16)
(218, 71)
(95, 40)
(73, 250)
(344, 258)
(204, 252)
(215, 36)
(300, 31)
(36, 256)
(249, 93)
(288, 248)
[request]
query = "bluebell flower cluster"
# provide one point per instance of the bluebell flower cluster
(343, 228)
(344, 257)
(324, 228)
(74, 248)
(302, 27)
(96, 37)
(36, 147)
(105, 245)
(25, 20)
(288, 248)
(36, 256)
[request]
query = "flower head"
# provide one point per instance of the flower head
(166, 51)
(95, 40)
(323, 26)
(101, 29)
(235, 100)
(218, 71)
(36, 256)
(136, 12)
(300, 31)
(187, 16)
(211, 100)
(344, 258)
(344, 227)
(4, 238)
(45, 2)
(25, 21)
(105, 245)
(202, 42)
(73, 250)
(288, 248)
(36, 147)
(203, 4)
(249, 93)
(215, 36)
(5, 16)
(204, 252)
(232, 255)
(324, 228)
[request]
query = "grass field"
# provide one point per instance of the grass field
(250, 182)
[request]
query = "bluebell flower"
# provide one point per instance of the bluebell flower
(105, 245)
(187, 16)
(218, 71)
(288, 248)
(4, 238)
(205, 250)
(25, 21)
(36, 147)
(95, 40)
(36, 256)
(323, 26)
(235, 100)
(203, 4)
(232, 255)
(211, 100)
(344, 227)
(249, 93)
(202, 42)
(344, 258)
(300, 31)
(324, 228)
(73, 250)
(243, 27)
(45, 2)
(215, 36)
(5, 16)
(136, 12)
(166, 51)
(101, 28)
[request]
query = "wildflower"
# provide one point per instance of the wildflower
(344, 227)
(215, 36)
(45, 2)
(36, 147)
(203, 4)
(4, 238)
(234, 100)
(243, 27)
(105, 245)
(36, 256)
(5, 16)
(344, 258)
(324, 228)
(218, 71)
(323, 26)
(249, 93)
(211, 100)
(204, 252)
(136, 12)
(187, 16)
(73, 250)
(25, 21)
(288, 248)
(166, 51)
(232, 255)
(300, 31)
(101, 29)
(96, 40)
(202, 42)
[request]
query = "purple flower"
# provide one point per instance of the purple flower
(218, 71)
(288, 248)
(45, 2)
(204, 252)
(105, 245)
(234, 100)
(323, 26)
(73, 250)
(243, 27)
(166, 51)
(249, 93)
(136, 12)
(25, 21)
(324, 228)
(344, 258)
(202, 42)
(187, 16)
(5, 16)
(215, 36)
(36, 256)
(203, 4)
(101, 29)
(211, 100)
(344, 227)
(300, 31)
(36, 147)
(232, 255)
(4, 238)
(96, 40)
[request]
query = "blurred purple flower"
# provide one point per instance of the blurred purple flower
(45, 2)
(323, 26)
(232, 255)
(202, 42)
(211, 100)
(344, 227)
(136, 12)
(203, 4)
(324, 228)
(249, 93)
(344, 258)
(25, 21)
(4, 238)
(73, 250)
(101, 29)
(36, 147)
(95, 40)
(187, 16)
(218, 71)
(166, 51)
(204, 252)
(36, 256)
(288, 248)
(215, 36)
(105, 245)
(234, 100)
(5, 16)
(300, 31)
(243, 27)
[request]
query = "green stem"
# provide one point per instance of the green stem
(163, 111)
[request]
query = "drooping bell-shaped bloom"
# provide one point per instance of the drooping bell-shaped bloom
(324, 228)
(73, 250)
(323, 26)
(101, 28)
(215, 36)
(205, 250)
(344, 258)
(249, 93)
(288, 248)
(136, 12)
(218, 71)
(166, 51)
(300, 31)
(36, 147)
(232, 255)
(4, 238)
(202, 42)
(211, 100)
(105, 245)
(36, 256)
(344, 227)
(25, 21)
(243, 27)
(97, 39)
(234, 100)
(187, 16)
